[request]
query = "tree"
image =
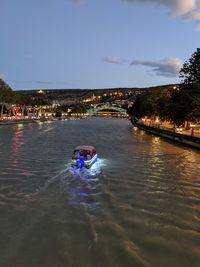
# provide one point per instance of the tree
(58, 113)
(151, 104)
(23, 101)
(78, 108)
(6, 95)
(190, 71)
(185, 104)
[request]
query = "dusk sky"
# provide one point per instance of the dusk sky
(96, 43)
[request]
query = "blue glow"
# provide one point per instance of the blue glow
(85, 184)
(93, 170)
(80, 163)
(82, 194)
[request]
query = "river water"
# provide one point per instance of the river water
(139, 204)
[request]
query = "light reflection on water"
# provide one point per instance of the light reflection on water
(17, 142)
(138, 205)
(83, 184)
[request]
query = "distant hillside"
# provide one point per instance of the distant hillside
(76, 95)
(93, 91)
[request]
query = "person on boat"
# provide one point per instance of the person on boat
(77, 155)
(88, 157)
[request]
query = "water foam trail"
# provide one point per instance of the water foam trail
(73, 176)
(51, 180)
(49, 129)
(95, 169)
(66, 179)
(85, 191)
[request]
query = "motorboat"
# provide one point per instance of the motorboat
(84, 156)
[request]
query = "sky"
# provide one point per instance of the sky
(88, 44)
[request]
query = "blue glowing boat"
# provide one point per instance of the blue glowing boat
(84, 156)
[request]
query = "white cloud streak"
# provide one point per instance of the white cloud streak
(167, 67)
(113, 60)
(79, 2)
(185, 9)
(42, 82)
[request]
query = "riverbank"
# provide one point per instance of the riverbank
(16, 121)
(42, 119)
(167, 134)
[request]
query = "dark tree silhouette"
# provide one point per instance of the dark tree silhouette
(190, 72)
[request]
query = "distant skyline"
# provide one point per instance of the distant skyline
(90, 44)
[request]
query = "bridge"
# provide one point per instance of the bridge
(107, 108)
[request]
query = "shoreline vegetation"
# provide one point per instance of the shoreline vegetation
(173, 113)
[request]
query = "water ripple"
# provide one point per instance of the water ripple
(137, 206)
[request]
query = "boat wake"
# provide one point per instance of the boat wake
(95, 169)
(78, 185)
(83, 186)
(69, 176)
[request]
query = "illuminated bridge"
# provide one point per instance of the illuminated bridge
(109, 110)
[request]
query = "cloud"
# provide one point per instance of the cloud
(167, 67)
(186, 9)
(113, 60)
(41, 82)
(79, 2)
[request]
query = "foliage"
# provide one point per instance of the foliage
(185, 104)
(58, 113)
(190, 71)
(178, 106)
(151, 103)
(6, 94)
(78, 108)
(21, 99)
(39, 101)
